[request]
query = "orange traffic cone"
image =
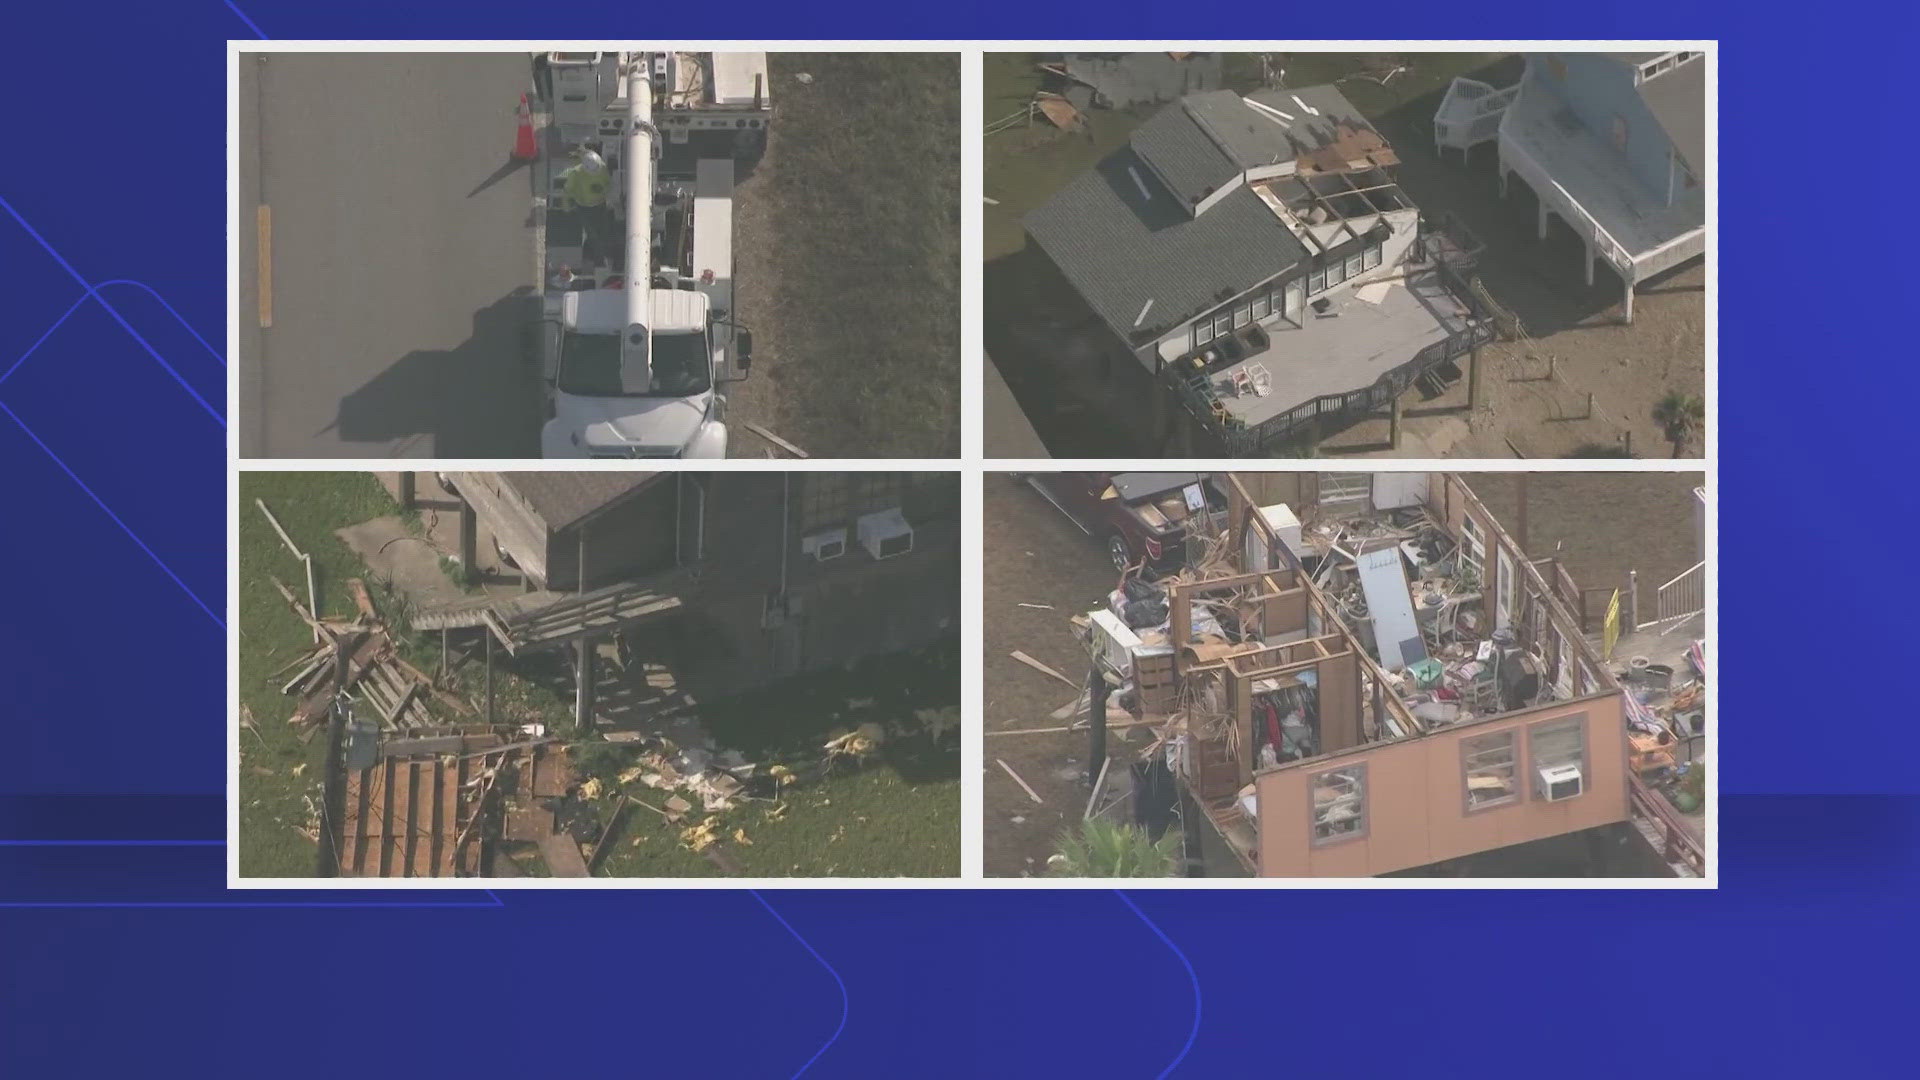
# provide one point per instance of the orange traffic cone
(524, 146)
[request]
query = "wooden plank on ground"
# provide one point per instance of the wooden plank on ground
(1031, 794)
(1042, 668)
(390, 842)
(774, 439)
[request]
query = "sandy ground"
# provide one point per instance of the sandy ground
(1603, 523)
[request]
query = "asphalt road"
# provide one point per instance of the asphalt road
(401, 256)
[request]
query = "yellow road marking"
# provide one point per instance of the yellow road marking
(265, 219)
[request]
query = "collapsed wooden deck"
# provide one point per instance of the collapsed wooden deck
(411, 814)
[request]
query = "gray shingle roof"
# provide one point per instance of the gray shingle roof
(566, 498)
(1678, 99)
(1247, 137)
(1181, 152)
(1121, 249)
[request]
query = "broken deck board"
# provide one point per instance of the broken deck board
(562, 856)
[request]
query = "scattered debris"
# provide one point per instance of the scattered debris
(698, 838)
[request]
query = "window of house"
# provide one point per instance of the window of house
(1556, 744)
(1339, 808)
(1223, 323)
(1202, 333)
(1336, 272)
(1354, 263)
(1492, 767)
(1242, 315)
(1262, 306)
(1316, 282)
(1370, 257)
(1473, 549)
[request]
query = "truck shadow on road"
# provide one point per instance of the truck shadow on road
(479, 399)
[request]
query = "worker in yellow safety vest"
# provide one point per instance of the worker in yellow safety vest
(585, 181)
(584, 185)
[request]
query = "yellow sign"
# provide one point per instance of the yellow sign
(1610, 632)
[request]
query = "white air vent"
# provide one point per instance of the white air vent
(829, 544)
(885, 534)
(1560, 782)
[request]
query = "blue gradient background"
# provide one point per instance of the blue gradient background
(124, 958)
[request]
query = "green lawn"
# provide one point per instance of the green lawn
(896, 815)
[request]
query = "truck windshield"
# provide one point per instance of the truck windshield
(590, 366)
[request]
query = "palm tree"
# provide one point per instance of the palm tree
(1680, 416)
(1101, 849)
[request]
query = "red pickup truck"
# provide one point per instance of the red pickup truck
(1137, 517)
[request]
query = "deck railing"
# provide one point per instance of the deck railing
(1196, 394)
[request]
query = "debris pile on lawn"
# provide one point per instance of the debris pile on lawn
(393, 691)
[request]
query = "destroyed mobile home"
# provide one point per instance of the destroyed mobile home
(423, 780)
(1383, 683)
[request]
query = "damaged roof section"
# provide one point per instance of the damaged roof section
(1213, 195)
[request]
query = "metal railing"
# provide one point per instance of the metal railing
(1685, 595)
(1197, 396)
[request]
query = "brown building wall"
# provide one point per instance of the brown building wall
(1416, 799)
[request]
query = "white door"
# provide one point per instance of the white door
(1296, 297)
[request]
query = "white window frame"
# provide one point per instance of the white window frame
(1480, 756)
(1262, 306)
(1202, 332)
(1350, 785)
(1313, 289)
(1370, 257)
(1543, 751)
(1473, 550)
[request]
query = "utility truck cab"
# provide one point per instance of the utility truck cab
(646, 390)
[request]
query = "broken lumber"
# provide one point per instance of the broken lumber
(294, 602)
(1042, 668)
(362, 600)
(275, 522)
(1031, 794)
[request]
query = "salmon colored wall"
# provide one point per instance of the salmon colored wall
(1416, 806)
(1339, 702)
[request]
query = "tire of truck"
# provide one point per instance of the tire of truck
(1118, 551)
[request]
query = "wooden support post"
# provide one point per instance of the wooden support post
(469, 539)
(445, 650)
(1096, 722)
(489, 634)
(1589, 264)
(583, 685)
(1629, 299)
(1393, 423)
(407, 494)
(1473, 377)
